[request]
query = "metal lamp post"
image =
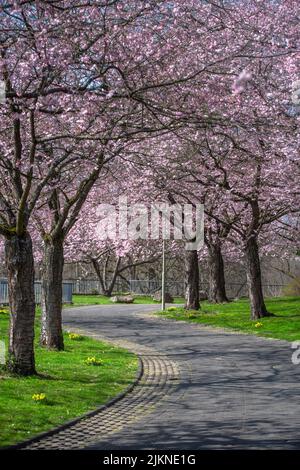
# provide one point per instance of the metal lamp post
(163, 277)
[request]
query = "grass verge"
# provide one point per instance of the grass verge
(81, 300)
(235, 316)
(70, 385)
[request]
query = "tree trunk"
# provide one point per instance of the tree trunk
(217, 291)
(192, 280)
(53, 263)
(257, 303)
(20, 274)
(106, 290)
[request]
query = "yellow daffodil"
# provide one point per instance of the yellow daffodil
(39, 397)
(93, 361)
(74, 336)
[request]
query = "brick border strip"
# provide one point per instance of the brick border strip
(155, 379)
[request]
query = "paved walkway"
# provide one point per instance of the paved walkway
(235, 391)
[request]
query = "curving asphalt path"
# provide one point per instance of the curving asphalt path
(236, 391)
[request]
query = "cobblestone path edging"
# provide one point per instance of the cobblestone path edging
(157, 378)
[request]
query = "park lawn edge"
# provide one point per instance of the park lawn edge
(77, 419)
(73, 389)
(165, 316)
(284, 325)
(83, 300)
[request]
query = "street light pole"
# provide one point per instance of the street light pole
(163, 276)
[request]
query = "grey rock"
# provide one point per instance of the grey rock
(122, 299)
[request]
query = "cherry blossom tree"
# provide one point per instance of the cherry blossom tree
(83, 79)
(37, 57)
(142, 86)
(61, 62)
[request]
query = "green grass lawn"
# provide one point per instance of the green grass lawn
(235, 316)
(79, 300)
(71, 386)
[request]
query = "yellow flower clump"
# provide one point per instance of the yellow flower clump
(39, 397)
(93, 361)
(74, 336)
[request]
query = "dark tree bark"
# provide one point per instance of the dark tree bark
(257, 303)
(217, 290)
(106, 287)
(20, 274)
(192, 280)
(52, 277)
